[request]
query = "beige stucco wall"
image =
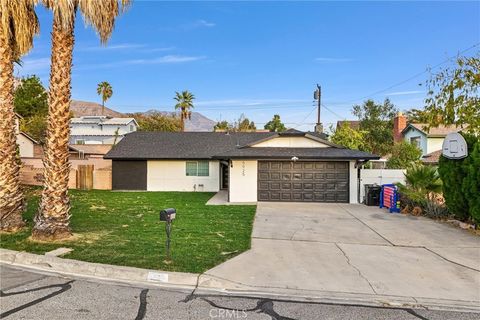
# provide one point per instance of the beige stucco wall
(291, 142)
(434, 144)
(25, 145)
(243, 181)
(165, 175)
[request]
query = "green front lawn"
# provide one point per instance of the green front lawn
(123, 228)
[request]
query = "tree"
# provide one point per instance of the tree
(471, 183)
(275, 125)
(35, 126)
(404, 155)
(223, 125)
(18, 26)
(53, 217)
(453, 174)
(243, 124)
(104, 89)
(350, 138)
(158, 122)
(377, 121)
(417, 116)
(453, 96)
(31, 98)
(184, 104)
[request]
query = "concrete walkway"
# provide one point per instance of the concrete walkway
(354, 252)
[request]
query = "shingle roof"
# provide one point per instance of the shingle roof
(218, 145)
(354, 124)
(432, 157)
(440, 131)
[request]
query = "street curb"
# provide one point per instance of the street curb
(99, 271)
(205, 284)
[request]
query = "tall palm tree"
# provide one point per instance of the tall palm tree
(104, 89)
(184, 104)
(18, 25)
(53, 217)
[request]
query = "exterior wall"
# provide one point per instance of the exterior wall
(166, 175)
(434, 144)
(380, 176)
(94, 139)
(291, 142)
(412, 133)
(26, 146)
(93, 133)
(243, 181)
(353, 183)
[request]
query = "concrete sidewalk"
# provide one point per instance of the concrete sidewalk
(356, 253)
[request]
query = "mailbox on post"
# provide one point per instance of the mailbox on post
(168, 215)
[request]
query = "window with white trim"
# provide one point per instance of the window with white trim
(415, 141)
(197, 168)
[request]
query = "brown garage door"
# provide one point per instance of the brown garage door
(303, 181)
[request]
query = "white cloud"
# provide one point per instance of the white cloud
(30, 65)
(120, 46)
(403, 93)
(166, 59)
(332, 60)
(204, 23)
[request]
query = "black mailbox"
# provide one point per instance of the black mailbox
(168, 214)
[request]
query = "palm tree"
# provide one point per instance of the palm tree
(185, 104)
(422, 183)
(53, 217)
(18, 25)
(105, 90)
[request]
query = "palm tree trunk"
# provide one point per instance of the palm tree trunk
(52, 219)
(11, 196)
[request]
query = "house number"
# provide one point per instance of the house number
(243, 168)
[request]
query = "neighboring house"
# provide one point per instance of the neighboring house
(100, 129)
(415, 133)
(354, 124)
(27, 146)
(88, 151)
(290, 166)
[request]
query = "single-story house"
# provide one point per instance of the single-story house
(252, 166)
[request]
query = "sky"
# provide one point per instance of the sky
(263, 58)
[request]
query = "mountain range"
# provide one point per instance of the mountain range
(198, 122)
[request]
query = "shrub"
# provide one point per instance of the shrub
(404, 155)
(471, 183)
(421, 192)
(456, 185)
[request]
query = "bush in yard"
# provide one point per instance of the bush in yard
(421, 191)
(404, 155)
(471, 183)
(454, 176)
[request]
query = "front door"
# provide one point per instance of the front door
(224, 176)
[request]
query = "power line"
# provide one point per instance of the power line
(414, 76)
(333, 112)
(308, 115)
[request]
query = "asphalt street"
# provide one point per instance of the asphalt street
(26, 294)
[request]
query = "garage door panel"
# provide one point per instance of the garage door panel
(320, 181)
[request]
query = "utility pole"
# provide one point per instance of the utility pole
(317, 95)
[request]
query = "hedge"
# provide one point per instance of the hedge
(461, 182)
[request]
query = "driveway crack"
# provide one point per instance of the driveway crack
(296, 231)
(354, 267)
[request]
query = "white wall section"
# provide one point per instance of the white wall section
(166, 175)
(243, 181)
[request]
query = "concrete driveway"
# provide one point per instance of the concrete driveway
(356, 253)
